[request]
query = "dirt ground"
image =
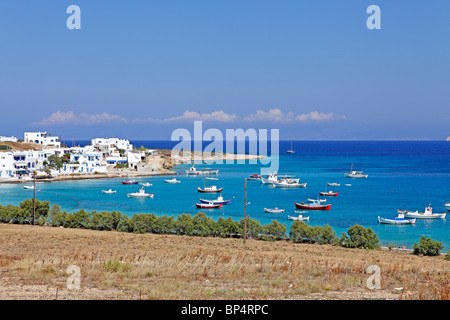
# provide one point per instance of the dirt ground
(113, 265)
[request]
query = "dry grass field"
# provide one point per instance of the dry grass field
(34, 260)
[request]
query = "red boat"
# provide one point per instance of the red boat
(312, 206)
(130, 182)
(329, 194)
(208, 205)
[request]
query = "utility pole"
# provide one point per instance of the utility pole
(245, 212)
(34, 197)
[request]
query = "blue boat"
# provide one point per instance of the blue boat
(400, 219)
(219, 200)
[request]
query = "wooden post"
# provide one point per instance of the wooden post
(245, 212)
(34, 198)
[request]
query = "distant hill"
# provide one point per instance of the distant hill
(20, 146)
(448, 139)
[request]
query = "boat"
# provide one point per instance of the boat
(329, 194)
(219, 200)
(428, 214)
(347, 185)
(28, 187)
(400, 219)
(193, 171)
(290, 150)
(174, 180)
(316, 205)
(146, 184)
(447, 204)
(288, 184)
(355, 174)
(274, 210)
(320, 200)
(254, 177)
(208, 205)
(211, 178)
(140, 194)
(299, 218)
(130, 182)
(334, 184)
(273, 177)
(110, 191)
(212, 189)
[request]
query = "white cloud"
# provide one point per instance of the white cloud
(70, 117)
(273, 115)
(276, 115)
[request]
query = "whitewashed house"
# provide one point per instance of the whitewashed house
(42, 138)
(111, 147)
(19, 164)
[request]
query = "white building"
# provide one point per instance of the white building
(111, 146)
(8, 139)
(42, 138)
(19, 164)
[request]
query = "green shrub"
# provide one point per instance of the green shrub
(427, 247)
(447, 256)
(359, 237)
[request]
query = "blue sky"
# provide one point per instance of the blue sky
(140, 69)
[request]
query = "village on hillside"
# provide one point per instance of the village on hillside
(43, 156)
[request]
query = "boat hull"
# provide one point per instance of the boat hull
(396, 221)
(356, 176)
(209, 191)
(425, 216)
(206, 206)
(215, 202)
(326, 194)
(312, 207)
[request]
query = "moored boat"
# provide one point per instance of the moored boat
(28, 187)
(334, 184)
(298, 218)
(287, 184)
(400, 219)
(219, 200)
(146, 184)
(273, 177)
(355, 174)
(329, 194)
(313, 200)
(211, 178)
(130, 182)
(212, 189)
(174, 180)
(274, 210)
(193, 171)
(110, 191)
(140, 194)
(428, 214)
(208, 205)
(315, 205)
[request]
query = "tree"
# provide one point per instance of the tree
(26, 211)
(359, 237)
(428, 247)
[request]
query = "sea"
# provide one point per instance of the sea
(402, 175)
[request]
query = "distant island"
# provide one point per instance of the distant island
(448, 139)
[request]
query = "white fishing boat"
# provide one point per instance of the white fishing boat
(273, 177)
(274, 210)
(298, 218)
(287, 184)
(140, 194)
(110, 191)
(447, 205)
(347, 185)
(334, 184)
(28, 187)
(211, 178)
(400, 219)
(174, 180)
(193, 171)
(355, 174)
(146, 184)
(315, 200)
(428, 214)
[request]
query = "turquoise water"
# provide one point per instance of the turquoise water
(407, 174)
